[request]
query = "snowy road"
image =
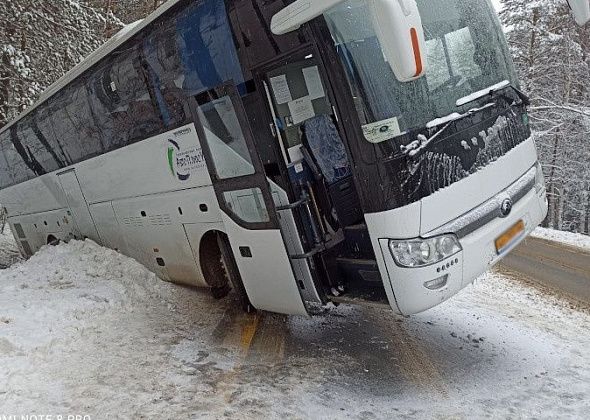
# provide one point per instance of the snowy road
(553, 264)
(84, 330)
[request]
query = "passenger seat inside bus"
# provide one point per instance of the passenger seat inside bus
(325, 152)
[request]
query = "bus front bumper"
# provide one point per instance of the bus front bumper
(417, 289)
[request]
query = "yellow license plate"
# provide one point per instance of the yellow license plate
(507, 238)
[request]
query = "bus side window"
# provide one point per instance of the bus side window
(206, 47)
(162, 66)
(13, 163)
(5, 173)
(250, 21)
(124, 108)
(188, 53)
(73, 123)
(34, 142)
(47, 135)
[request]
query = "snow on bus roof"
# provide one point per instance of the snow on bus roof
(126, 33)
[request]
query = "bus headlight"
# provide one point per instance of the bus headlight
(423, 252)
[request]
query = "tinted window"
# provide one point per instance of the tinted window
(250, 20)
(35, 147)
(28, 149)
(45, 132)
(19, 165)
(68, 122)
(207, 50)
(188, 53)
(165, 72)
(5, 170)
(135, 93)
(122, 101)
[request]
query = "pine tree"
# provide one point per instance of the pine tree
(39, 42)
(551, 54)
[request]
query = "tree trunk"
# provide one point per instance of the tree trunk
(587, 218)
(4, 90)
(551, 190)
(107, 26)
(532, 44)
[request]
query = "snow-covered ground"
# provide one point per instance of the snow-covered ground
(87, 331)
(568, 238)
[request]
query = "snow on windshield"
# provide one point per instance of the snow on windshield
(431, 168)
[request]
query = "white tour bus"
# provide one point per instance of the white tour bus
(307, 152)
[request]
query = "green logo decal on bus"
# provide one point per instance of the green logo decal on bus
(171, 159)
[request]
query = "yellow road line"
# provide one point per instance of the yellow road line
(248, 332)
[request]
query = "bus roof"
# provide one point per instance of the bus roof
(126, 33)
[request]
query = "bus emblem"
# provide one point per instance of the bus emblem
(506, 207)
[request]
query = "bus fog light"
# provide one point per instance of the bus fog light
(423, 252)
(437, 283)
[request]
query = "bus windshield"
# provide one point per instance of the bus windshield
(465, 53)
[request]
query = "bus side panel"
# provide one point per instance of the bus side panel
(34, 196)
(32, 231)
(108, 226)
(166, 162)
(152, 230)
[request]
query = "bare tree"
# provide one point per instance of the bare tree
(551, 56)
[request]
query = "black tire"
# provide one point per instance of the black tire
(233, 273)
(213, 267)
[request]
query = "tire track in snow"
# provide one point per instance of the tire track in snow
(415, 363)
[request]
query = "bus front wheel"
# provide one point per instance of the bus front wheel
(231, 268)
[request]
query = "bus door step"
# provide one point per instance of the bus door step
(359, 270)
(318, 249)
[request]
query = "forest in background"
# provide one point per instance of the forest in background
(552, 57)
(41, 40)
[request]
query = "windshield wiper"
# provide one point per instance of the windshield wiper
(492, 91)
(422, 142)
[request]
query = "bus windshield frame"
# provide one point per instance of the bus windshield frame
(465, 53)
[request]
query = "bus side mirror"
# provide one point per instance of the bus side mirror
(580, 10)
(397, 24)
(399, 29)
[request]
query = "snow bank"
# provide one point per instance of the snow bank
(63, 284)
(87, 331)
(568, 238)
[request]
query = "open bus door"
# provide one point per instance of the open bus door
(246, 202)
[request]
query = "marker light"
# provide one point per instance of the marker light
(423, 252)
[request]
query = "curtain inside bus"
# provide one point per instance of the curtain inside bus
(192, 52)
